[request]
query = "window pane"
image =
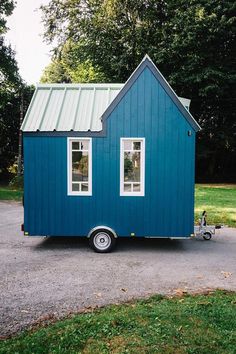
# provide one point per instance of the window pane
(79, 166)
(136, 187)
(136, 145)
(75, 145)
(84, 187)
(132, 166)
(75, 187)
(127, 145)
(84, 145)
(127, 187)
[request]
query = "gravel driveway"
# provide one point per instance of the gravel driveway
(41, 278)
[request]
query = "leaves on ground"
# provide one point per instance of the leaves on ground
(124, 290)
(180, 291)
(226, 274)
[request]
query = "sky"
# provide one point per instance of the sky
(25, 36)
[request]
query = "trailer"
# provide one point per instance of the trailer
(109, 160)
(207, 231)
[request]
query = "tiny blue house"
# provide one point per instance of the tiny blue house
(109, 160)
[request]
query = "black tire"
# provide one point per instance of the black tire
(102, 241)
(207, 236)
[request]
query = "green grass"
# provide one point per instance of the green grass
(219, 200)
(189, 324)
(8, 193)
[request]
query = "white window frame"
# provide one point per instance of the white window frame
(142, 168)
(69, 167)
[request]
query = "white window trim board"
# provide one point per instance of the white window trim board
(142, 176)
(69, 168)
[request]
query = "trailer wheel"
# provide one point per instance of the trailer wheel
(102, 241)
(207, 236)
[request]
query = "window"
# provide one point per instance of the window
(132, 171)
(79, 166)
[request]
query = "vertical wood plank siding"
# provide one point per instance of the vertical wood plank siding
(167, 208)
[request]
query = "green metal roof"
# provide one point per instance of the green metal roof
(65, 107)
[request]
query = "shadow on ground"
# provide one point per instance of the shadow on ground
(123, 244)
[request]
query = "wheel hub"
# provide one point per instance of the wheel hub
(102, 240)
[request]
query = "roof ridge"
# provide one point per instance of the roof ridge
(78, 85)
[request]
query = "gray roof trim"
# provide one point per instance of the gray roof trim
(89, 133)
(83, 85)
(147, 62)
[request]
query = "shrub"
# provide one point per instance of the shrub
(17, 182)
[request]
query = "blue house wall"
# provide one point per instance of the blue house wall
(166, 210)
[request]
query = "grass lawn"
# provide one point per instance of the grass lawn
(188, 324)
(7, 193)
(219, 200)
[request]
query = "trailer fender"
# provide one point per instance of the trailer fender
(104, 228)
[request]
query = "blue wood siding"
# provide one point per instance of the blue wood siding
(166, 210)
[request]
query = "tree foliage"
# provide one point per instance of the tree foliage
(11, 87)
(192, 43)
(8, 67)
(68, 67)
(6, 8)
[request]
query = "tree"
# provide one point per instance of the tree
(67, 67)
(193, 44)
(11, 88)
(9, 75)
(203, 66)
(6, 8)
(114, 35)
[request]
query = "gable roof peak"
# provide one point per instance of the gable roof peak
(147, 62)
(146, 56)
